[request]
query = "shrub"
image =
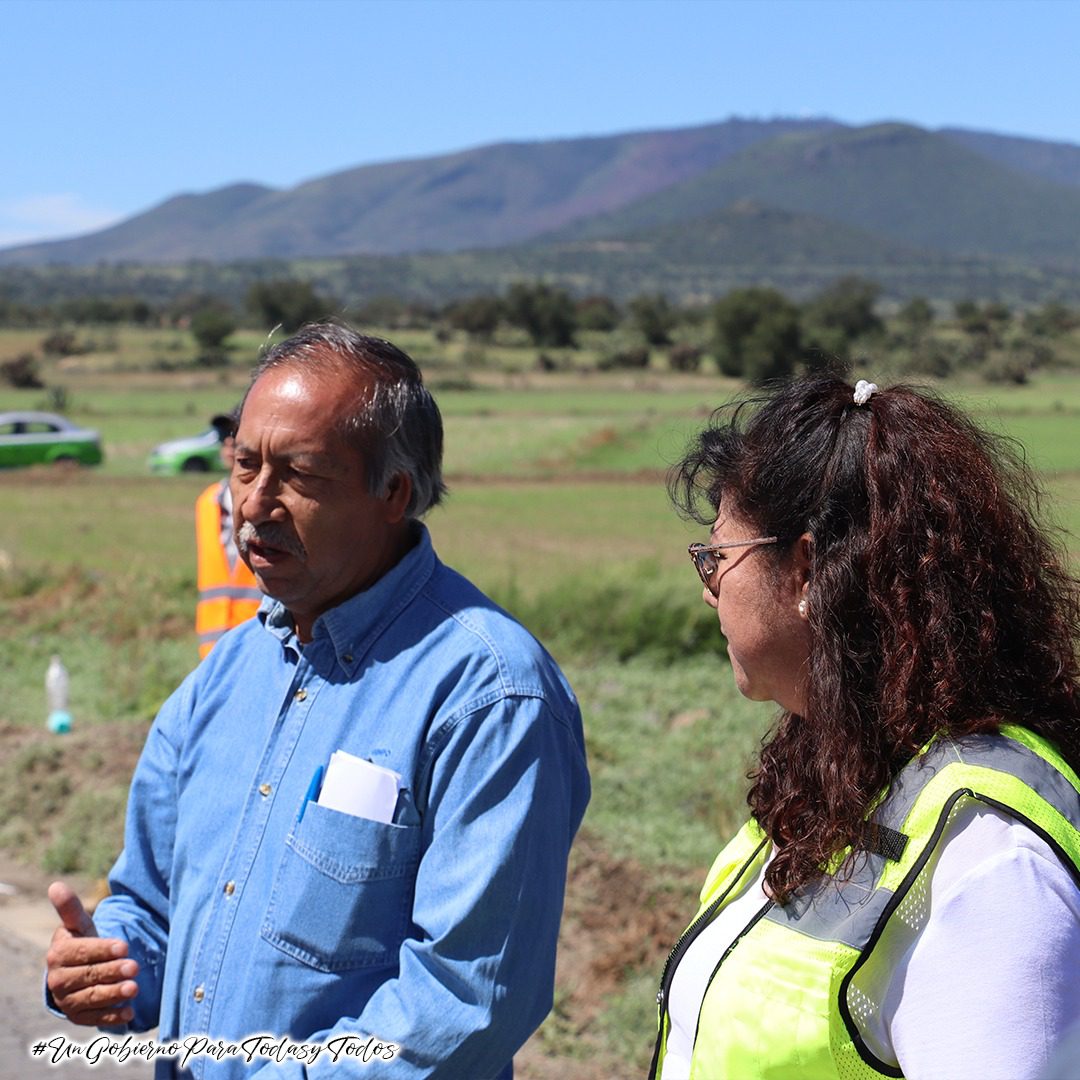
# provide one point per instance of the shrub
(756, 334)
(545, 313)
(477, 316)
(927, 356)
(654, 318)
(22, 372)
(1005, 368)
(685, 357)
(60, 343)
(287, 303)
(633, 614)
(916, 316)
(1016, 362)
(841, 315)
(626, 357)
(210, 326)
(57, 399)
(597, 313)
(1051, 320)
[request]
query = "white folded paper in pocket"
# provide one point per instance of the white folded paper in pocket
(361, 788)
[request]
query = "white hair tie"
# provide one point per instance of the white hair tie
(864, 391)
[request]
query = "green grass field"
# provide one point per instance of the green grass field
(558, 509)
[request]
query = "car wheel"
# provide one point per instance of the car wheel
(194, 464)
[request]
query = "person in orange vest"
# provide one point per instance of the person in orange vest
(228, 594)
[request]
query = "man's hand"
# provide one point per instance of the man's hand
(91, 979)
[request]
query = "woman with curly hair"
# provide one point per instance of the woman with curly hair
(905, 898)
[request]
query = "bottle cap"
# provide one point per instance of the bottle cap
(59, 722)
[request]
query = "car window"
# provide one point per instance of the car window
(40, 427)
(8, 429)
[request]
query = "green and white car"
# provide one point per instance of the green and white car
(38, 438)
(199, 453)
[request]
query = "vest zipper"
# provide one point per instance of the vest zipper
(727, 952)
(687, 939)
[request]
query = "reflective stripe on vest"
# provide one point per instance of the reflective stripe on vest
(786, 999)
(226, 597)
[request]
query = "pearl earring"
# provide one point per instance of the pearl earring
(804, 607)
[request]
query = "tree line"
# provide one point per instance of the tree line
(755, 333)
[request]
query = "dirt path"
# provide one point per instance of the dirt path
(26, 925)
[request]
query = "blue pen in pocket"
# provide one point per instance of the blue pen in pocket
(312, 793)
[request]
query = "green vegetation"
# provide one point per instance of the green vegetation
(557, 509)
(756, 333)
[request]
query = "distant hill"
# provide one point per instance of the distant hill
(750, 233)
(898, 181)
(692, 212)
(491, 196)
(745, 237)
(181, 220)
(1056, 162)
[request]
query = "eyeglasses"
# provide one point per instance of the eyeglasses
(707, 563)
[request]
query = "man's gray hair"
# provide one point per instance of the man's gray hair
(396, 425)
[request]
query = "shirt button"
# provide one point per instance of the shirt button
(300, 694)
(230, 888)
(348, 658)
(199, 993)
(265, 789)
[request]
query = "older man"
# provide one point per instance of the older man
(419, 900)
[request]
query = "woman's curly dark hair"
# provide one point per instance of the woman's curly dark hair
(938, 604)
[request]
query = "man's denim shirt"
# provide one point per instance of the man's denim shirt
(435, 933)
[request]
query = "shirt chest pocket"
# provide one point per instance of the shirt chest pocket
(343, 891)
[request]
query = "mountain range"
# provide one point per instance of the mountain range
(690, 211)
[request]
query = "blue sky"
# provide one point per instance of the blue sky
(111, 106)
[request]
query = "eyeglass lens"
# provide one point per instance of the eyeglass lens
(706, 563)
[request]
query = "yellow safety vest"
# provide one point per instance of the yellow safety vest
(227, 595)
(784, 1000)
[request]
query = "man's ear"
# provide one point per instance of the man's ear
(397, 498)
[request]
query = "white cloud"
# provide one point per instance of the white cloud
(50, 217)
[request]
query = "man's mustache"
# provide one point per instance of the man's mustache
(270, 535)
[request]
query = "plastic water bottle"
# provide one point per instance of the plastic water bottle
(56, 694)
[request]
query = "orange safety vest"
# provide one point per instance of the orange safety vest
(226, 596)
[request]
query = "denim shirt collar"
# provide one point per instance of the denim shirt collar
(355, 624)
